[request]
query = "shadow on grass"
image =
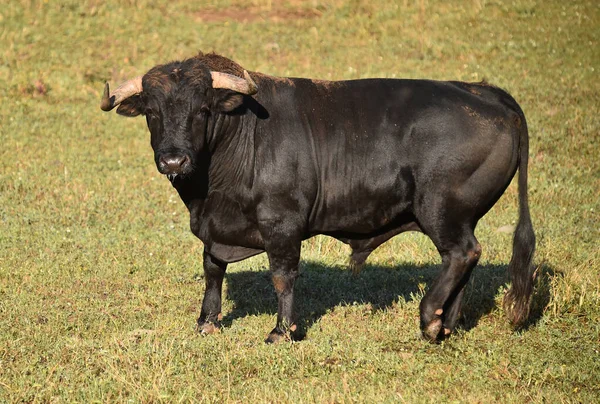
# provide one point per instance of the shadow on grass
(321, 288)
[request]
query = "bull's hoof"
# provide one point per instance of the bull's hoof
(276, 336)
(205, 328)
(434, 331)
(434, 334)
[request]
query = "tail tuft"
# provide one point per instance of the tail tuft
(518, 298)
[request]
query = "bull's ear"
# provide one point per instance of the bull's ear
(132, 106)
(227, 100)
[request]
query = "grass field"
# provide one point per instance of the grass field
(101, 280)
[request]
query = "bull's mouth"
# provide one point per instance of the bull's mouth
(175, 176)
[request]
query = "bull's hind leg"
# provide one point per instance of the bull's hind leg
(361, 249)
(357, 259)
(440, 306)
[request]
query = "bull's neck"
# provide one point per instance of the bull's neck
(230, 142)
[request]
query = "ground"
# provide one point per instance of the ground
(101, 280)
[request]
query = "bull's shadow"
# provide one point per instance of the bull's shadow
(320, 288)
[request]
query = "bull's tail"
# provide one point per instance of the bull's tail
(517, 299)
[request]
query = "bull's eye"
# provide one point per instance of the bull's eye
(150, 114)
(202, 112)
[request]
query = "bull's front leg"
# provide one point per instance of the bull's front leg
(210, 315)
(283, 250)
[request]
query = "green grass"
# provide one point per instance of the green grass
(101, 280)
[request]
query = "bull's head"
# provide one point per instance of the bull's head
(178, 100)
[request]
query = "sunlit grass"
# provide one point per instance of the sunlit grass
(101, 280)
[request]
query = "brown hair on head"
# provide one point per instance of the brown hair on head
(158, 79)
(218, 63)
(195, 71)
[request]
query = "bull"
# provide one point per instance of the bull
(357, 160)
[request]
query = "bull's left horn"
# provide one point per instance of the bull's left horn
(124, 91)
(231, 82)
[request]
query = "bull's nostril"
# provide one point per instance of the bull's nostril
(173, 164)
(183, 160)
(162, 163)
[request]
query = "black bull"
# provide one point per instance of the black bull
(359, 160)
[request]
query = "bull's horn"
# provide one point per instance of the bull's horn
(231, 82)
(124, 91)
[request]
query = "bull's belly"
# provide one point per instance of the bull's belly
(362, 220)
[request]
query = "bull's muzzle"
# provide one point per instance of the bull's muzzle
(174, 164)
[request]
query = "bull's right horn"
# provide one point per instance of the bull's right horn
(231, 82)
(124, 91)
